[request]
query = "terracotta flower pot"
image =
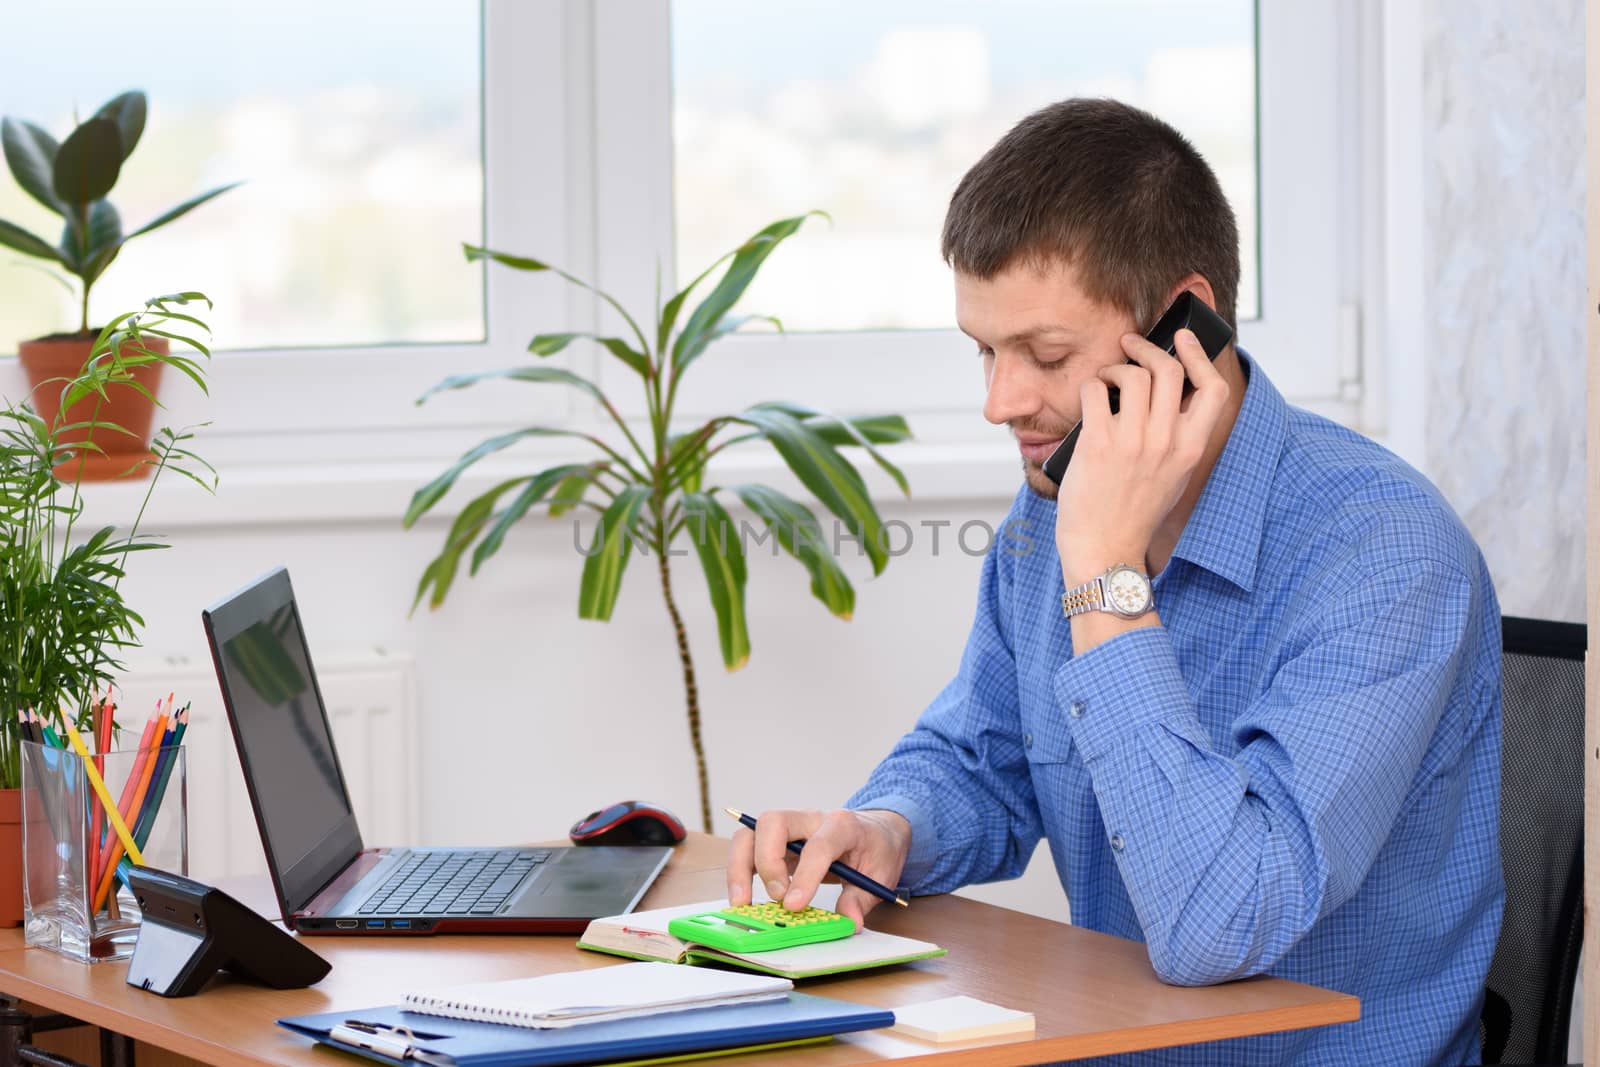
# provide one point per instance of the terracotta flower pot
(62, 357)
(10, 857)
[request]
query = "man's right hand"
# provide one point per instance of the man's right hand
(875, 843)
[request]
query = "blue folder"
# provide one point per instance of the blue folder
(477, 1044)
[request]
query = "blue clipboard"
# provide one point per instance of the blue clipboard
(433, 1039)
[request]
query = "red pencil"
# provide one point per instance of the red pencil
(129, 788)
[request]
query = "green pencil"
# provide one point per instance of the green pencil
(147, 818)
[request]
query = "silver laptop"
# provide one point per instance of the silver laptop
(327, 881)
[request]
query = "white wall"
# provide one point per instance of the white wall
(536, 717)
(1504, 187)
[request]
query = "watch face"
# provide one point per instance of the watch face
(1128, 591)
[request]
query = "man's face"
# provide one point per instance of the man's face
(1041, 337)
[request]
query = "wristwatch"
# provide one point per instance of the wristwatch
(1124, 591)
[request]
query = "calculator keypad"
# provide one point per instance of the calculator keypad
(777, 915)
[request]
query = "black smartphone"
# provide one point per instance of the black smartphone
(1186, 312)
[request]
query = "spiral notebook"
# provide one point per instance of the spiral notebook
(643, 935)
(601, 994)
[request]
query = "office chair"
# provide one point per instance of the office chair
(1528, 1003)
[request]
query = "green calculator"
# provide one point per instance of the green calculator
(760, 927)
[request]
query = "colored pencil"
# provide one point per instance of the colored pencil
(146, 769)
(99, 786)
(158, 781)
(95, 714)
(129, 791)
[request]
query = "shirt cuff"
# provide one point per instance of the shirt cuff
(924, 839)
(1120, 685)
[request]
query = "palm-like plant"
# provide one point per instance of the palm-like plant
(650, 492)
(64, 623)
(73, 179)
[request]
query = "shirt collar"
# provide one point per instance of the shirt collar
(1223, 534)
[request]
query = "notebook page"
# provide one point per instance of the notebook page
(864, 949)
(624, 991)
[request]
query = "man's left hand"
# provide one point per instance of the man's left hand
(1129, 470)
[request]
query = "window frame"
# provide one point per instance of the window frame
(1299, 98)
(578, 170)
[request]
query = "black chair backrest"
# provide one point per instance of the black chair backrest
(1528, 1008)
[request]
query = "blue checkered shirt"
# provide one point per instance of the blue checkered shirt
(1297, 773)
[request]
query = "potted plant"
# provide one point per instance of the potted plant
(650, 492)
(63, 621)
(73, 179)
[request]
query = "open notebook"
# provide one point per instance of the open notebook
(604, 994)
(643, 935)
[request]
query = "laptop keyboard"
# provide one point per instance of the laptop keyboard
(454, 883)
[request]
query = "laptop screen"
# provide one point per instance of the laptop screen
(302, 805)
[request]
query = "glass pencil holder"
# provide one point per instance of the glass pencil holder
(74, 902)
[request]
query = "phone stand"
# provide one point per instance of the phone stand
(192, 930)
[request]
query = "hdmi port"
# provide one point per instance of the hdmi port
(346, 924)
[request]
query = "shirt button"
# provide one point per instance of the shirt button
(1077, 709)
(1117, 842)
(1027, 740)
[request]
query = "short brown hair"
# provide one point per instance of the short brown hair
(1111, 189)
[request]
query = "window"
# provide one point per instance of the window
(874, 111)
(360, 152)
(886, 332)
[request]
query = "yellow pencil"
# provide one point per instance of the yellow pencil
(105, 795)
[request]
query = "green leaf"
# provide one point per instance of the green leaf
(716, 542)
(747, 260)
(602, 571)
(831, 428)
(879, 429)
(518, 374)
(88, 163)
(827, 474)
(548, 344)
(570, 492)
(128, 112)
(669, 314)
(476, 253)
(31, 154)
(429, 495)
(537, 488)
(182, 209)
(798, 531)
(17, 239)
(685, 456)
(728, 325)
(101, 243)
(469, 523)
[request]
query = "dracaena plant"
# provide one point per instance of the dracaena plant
(646, 483)
(73, 179)
(64, 622)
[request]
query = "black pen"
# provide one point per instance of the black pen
(844, 873)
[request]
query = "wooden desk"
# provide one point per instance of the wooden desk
(1091, 994)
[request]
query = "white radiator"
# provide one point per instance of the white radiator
(372, 706)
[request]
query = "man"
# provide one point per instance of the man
(1283, 755)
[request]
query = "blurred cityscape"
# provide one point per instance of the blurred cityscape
(363, 164)
(872, 112)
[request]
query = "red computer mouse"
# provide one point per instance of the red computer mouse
(629, 822)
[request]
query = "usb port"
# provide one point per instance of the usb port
(377, 924)
(345, 924)
(400, 924)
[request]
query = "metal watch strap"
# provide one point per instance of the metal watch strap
(1100, 594)
(1090, 596)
